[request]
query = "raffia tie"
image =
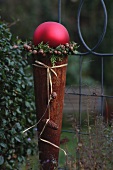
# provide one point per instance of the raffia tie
(49, 92)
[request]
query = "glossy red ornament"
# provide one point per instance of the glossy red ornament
(52, 33)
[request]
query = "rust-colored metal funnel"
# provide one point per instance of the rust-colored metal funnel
(49, 84)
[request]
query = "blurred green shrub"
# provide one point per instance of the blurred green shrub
(16, 102)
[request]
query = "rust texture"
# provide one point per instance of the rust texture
(48, 154)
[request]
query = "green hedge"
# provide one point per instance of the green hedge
(17, 109)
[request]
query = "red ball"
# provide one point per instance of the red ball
(52, 33)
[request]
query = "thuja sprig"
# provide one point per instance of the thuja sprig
(55, 54)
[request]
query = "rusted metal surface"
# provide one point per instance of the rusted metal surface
(48, 154)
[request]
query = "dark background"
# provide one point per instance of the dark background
(24, 16)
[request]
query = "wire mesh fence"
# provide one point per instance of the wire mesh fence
(87, 105)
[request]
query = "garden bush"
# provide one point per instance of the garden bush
(17, 109)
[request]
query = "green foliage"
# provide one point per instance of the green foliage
(16, 102)
(53, 54)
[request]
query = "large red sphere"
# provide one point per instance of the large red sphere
(52, 33)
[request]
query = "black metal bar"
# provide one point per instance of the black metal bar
(78, 25)
(59, 11)
(83, 133)
(102, 85)
(80, 89)
(80, 108)
(93, 95)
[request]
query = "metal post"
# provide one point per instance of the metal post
(59, 11)
(102, 85)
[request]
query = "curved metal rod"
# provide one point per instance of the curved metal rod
(102, 54)
(104, 29)
(95, 53)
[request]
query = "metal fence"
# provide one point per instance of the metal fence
(89, 51)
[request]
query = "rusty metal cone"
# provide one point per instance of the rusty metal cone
(48, 154)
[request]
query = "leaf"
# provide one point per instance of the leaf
(18, 110)
(19, 81)
(3, 145)
(29, 120)
(6, 112)
(23, 86)
(13, 131)
(20, 159)
(17, 139)
(28, 151)
(1, 159)
(18, 126)
(27, 104)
